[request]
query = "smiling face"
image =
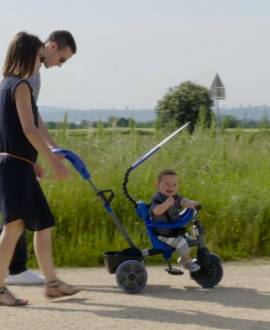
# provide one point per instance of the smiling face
(55, 56)
(168, 185)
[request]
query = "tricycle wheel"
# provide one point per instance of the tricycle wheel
(131, 276)
(209, 279)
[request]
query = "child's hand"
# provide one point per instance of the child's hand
(170, 201)
(193, 205)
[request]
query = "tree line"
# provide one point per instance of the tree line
(181, 104)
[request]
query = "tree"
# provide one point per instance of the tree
(182, 104)
(122, 122)
(72, 125)
(231, 121)
(50, 125)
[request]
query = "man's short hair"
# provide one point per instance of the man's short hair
(165, 172)
(63, 39)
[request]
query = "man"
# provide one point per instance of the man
(59, 47)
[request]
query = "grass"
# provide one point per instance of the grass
(227, 172)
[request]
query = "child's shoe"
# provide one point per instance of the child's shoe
(190, 265)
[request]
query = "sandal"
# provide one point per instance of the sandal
(18, 302)
(56, 284)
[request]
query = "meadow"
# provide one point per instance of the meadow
(227, 172)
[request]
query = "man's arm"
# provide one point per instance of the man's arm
(36, 83)
(47, 137)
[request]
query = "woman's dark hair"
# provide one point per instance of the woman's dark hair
(21, 55)
(63, 39)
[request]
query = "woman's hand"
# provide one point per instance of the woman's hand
(60, 170)
(39, 171)
(56, 146)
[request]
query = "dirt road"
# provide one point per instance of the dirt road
(241, 301)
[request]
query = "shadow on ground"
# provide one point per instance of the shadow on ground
(226, 296)
(186, 317)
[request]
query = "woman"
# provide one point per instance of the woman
(22, 202)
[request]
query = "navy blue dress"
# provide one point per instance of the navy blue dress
(21, 196)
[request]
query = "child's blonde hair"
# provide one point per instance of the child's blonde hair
(165, 172)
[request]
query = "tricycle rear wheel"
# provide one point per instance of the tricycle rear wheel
(131, 276)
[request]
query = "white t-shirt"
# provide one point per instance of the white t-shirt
(35, 83)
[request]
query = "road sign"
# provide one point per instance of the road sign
(217, 92)
(217, 89)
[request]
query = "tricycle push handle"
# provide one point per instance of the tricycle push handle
(75, 161)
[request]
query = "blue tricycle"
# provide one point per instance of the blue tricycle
(128, 265)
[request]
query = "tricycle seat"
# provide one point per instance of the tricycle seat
(143, 212)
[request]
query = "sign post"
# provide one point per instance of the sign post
(217, 92)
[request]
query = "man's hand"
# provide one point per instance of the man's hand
(39, 171)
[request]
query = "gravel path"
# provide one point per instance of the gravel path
(241, 301)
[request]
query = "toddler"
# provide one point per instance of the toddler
(165, 207)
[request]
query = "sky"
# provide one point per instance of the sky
(129, 52)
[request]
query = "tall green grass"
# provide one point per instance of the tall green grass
(228, 174)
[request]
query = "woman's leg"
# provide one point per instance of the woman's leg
(8, 240)
(43, 249)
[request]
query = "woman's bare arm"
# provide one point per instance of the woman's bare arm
(22, 98)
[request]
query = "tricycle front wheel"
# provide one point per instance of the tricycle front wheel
(209, 279)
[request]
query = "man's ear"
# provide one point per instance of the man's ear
(157, 185)
(53, 45)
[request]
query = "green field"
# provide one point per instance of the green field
(227, 172)
(106, 131)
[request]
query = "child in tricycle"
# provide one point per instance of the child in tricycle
(165, 207)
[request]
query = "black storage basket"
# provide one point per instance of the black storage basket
(112, 260)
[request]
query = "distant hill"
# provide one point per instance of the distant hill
(56, 114)
(255, 113)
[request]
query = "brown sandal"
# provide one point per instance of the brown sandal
(56, 284)
(18, 302)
